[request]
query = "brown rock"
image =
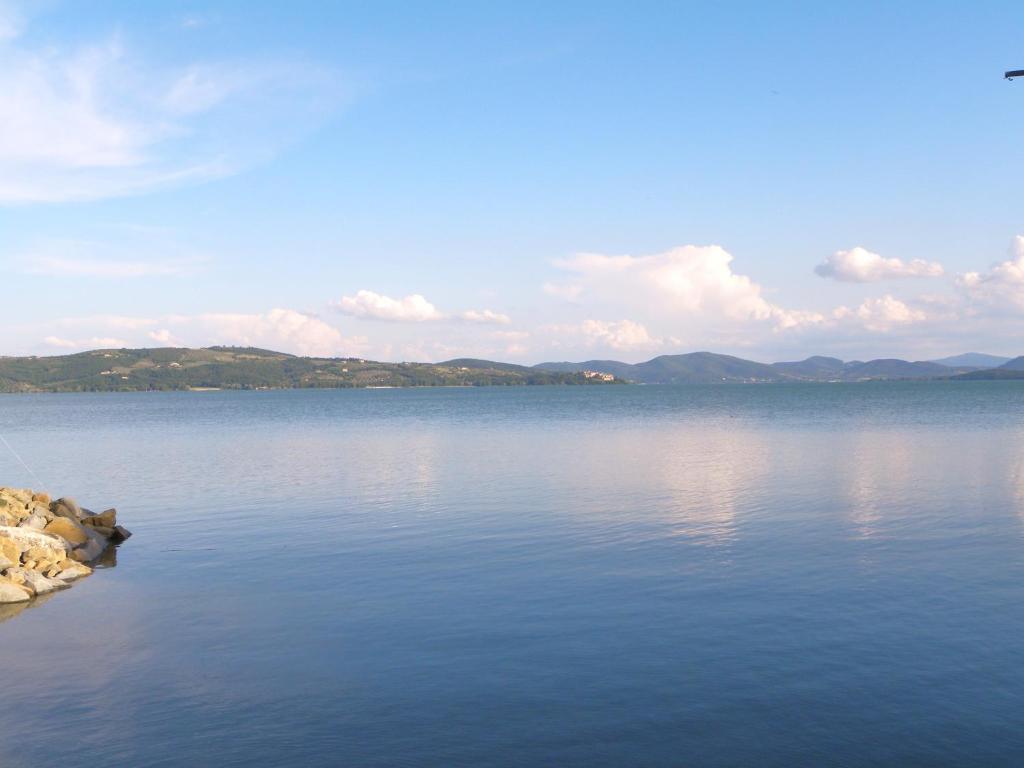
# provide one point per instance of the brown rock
(9, 550)
(66, 507)
(105, 519)
(41, 497)
(67, 529)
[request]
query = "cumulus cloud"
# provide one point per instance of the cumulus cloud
(279, 329)
(882, 314)
(859, 265)
(1002, 287)
(619, 335)
(412, 309)
(101, 120)
(691, 280)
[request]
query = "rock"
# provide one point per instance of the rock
(66, 507)
(45, 545)
(40, 584)
(67, 529)
(12, 593)
(74, 571)
(92, 548)
(35, 522)
(26, 537)
(9, 550)
(105, 519)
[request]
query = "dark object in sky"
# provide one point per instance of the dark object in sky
(1014, 73)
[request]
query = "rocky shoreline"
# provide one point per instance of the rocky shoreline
(45, 545)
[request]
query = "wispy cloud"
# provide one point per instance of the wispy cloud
(94, 342)
(83, 259)
(103, 120)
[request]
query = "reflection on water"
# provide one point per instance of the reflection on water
(10, 610)
(740, 575)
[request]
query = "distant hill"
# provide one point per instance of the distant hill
(115, 370)
(896, 369)
(1011, 369)
(248, 368)
(1017, 364)
(973, 360)
(711, 368)
(816, 367)
(991, 374)
(692, 368)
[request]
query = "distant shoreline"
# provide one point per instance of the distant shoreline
(248, 368)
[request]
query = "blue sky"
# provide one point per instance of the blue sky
(522, 181)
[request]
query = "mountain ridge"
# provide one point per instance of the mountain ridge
(219, 367)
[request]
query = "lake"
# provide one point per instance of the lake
(769, 575)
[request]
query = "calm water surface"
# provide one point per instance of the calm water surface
(620, 576)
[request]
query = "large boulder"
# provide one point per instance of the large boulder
(68, 529)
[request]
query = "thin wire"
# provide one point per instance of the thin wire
(39, 483)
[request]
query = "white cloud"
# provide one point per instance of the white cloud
(687, 281)
(284, 330)
(95, 342)
(881, 314)
(1002, 287)
(859, 265)
(279, 329)
(412, 309)
(165, 337)
(619, 335)
(485, 316)
(101, 120)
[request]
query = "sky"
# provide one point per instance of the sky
(522, 181)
